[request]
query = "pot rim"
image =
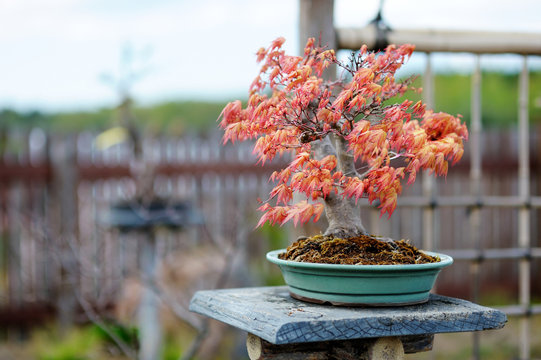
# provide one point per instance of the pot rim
(445, 260)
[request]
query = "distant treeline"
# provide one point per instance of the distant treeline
(453, 92)
(171, 117)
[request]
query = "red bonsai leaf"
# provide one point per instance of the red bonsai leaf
(301, 212)
(283, 194)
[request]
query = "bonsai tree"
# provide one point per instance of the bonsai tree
(350, 137)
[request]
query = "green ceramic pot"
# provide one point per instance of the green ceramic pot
(373, 285)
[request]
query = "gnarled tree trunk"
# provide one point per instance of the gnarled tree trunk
(343, 216)
(342, 213)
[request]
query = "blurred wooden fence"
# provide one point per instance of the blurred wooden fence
(54, 191)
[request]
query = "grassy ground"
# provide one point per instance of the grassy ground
(82, 344)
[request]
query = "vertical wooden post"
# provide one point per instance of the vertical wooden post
(148, 316)
(316, 20)
(475, 183)
(428, 181)
(63, 156)
(524, 210)
(14, 256)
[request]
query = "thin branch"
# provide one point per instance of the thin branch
(363, 175)
(68, 263)
(196, 343)
(203, 331)
(96, 320)
(180, 311)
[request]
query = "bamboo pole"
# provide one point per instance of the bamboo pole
(524, 210)
(493, 254)
(427, 40)
(428, 181)
(475, 181)
(150, 329)
(496, 201)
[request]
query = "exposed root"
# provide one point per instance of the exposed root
(359, 250)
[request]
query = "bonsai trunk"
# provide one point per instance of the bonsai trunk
(342, 213)
(343, 216)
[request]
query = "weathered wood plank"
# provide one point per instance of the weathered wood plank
(271, 314)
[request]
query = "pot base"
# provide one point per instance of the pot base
(352, 304)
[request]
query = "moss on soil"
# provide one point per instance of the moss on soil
(361, 250)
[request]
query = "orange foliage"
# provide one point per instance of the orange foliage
(291, 105)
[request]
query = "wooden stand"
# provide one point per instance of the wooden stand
(381, 348)
(280, 327)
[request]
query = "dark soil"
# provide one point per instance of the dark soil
(362, 250)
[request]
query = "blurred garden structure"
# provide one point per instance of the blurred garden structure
(55, 248)
(59, 261)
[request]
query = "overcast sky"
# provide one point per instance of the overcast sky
(54, 53)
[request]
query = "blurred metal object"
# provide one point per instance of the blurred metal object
(133, 215)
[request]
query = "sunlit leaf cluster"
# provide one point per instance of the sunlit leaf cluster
(292, 107)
